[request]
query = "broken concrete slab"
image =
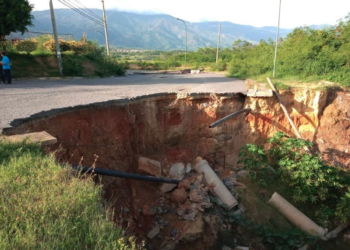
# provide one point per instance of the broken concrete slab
(43, 138)
(150, 167)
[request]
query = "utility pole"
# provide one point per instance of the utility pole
(186, 40)
(105, 24)
(217, 51)
(277, 39)
(59, 57)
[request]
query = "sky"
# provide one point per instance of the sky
(258, 13)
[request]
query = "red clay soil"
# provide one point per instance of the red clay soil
(172, 129)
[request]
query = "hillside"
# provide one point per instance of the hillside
(156, 32)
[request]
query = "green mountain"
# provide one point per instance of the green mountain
(154, 32)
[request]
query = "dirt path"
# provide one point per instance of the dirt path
(23, 99)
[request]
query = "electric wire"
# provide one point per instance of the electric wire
(97, 21)
(80, 11)
(87, 9)
(83, 9)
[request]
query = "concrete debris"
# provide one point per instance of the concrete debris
(188, 168)
(199, 196)
(226, 248)
(187, 211)
(154, 232)
(148, 210)
(179, 196)
(177, 171)
(241, 248)
(150, 167)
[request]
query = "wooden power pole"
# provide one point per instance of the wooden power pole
(59, 56)
(105, 25)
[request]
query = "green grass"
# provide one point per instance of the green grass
(46, 206)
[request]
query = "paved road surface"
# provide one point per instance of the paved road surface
(22, 99)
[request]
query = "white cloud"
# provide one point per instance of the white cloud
(251, 12)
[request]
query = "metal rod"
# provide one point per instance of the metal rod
(59, 56)
(215, 124)
(277, 38)
(106, 172)
(217, 51)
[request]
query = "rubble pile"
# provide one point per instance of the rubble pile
(187, 212)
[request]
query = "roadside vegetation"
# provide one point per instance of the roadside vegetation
(36, 57)
(44, 205)
(306, 55)
(320, 191)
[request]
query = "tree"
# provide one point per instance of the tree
(15, 16)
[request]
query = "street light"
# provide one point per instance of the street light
(277, 38)
(186, 40)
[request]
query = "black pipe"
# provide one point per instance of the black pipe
(217, 123)
(106, 172)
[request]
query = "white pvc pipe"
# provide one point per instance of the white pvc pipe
(213, 180)
(296, 217)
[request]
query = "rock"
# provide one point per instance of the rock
(150, 167)
(167, 187)
(126, 210)
(199, 196)
(148, 210)
(226, 248)
(193, 230)
(241, 248)
(228, 182)
(188, 211)
(185, 184)
(177, 171)
(179, 196)
(154, 232)
(188, 168)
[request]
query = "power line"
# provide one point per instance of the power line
(88, 9)
(80, 11)
(97, 21)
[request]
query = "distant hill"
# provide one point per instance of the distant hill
(155, 32)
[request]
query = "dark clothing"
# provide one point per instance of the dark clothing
(7, 73)
(2, 76)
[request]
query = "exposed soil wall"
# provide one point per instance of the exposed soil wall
(172, 128)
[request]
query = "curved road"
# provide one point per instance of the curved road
(22, 99)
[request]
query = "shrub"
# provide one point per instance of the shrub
(309, 178)
(27, 46)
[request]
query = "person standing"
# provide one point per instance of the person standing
(2, 77)
(6, 67)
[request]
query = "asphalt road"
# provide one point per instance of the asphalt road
(22, 99)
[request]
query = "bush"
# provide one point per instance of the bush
(47, 206)
(27, 46)
(310, 179)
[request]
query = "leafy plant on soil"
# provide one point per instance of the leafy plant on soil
(311, 181)
(278, 240)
